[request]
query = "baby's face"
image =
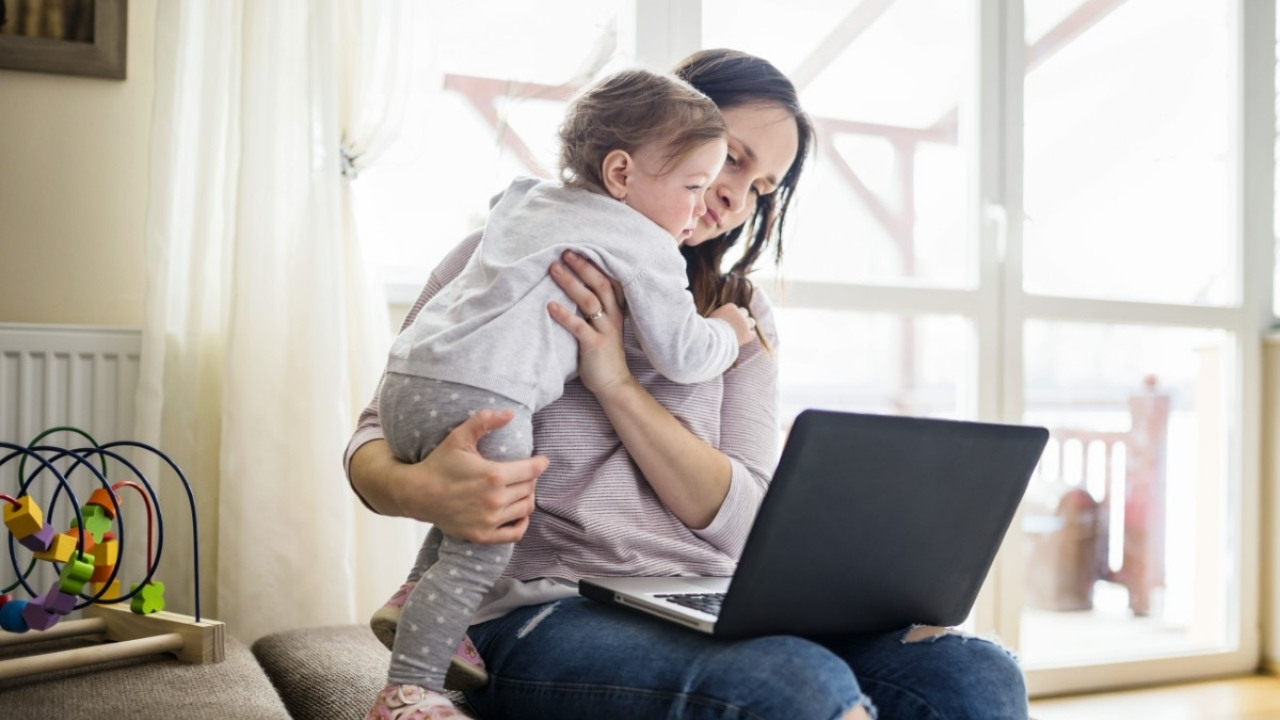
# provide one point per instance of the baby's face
(675, 199)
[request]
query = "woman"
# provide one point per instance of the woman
(648, 477)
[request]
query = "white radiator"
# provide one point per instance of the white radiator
(61, 375)
(67, 375)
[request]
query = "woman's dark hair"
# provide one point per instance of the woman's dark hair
(734, 79)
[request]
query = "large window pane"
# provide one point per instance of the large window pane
(884, 200)
(876, 362)
(1127, 135)
(1127, 543)
(491, 97)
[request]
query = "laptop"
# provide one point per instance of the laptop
(871, 523)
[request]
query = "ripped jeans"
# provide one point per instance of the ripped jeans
(577, 658)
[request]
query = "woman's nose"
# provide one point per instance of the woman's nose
(733, 195)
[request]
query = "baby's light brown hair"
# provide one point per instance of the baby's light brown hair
(628, 110)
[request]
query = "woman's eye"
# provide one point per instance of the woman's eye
(730, 160)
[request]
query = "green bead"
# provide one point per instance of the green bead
(148, 600)
(75, 573)
(95, 521)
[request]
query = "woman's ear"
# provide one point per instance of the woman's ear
(616, 171)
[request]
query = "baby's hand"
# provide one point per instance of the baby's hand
(738, 318)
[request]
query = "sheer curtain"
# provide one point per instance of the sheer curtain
(264, 334)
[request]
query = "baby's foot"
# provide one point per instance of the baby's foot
(412, 702)
(466, 670)
(386, 618)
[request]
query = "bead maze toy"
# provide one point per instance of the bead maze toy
(87, 557)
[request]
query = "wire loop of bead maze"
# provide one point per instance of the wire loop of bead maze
(143, 627)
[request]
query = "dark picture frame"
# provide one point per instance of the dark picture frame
(103, 57)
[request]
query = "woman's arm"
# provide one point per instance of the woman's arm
(692, 478)
(454, 487)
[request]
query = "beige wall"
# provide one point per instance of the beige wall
(73, 189)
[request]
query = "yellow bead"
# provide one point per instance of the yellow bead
(24, 519)
(59, 550)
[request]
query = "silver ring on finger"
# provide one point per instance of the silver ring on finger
(595, 315)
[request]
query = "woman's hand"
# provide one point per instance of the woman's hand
(602, 364)
(454, 487)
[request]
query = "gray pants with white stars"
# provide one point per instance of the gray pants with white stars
(452, 575)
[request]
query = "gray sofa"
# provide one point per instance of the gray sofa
(326, 673)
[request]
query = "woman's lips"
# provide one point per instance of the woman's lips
(713, 217)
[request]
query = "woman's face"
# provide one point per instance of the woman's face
(763, 141)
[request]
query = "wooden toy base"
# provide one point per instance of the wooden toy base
(126, 635)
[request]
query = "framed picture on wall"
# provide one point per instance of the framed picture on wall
(70, 37)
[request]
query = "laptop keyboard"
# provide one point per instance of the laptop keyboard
(708, 603)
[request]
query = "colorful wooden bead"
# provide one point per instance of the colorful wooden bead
(39, 540)
(101, 573)
(37, 617)
(107, 553)
(24, 519)
(4, 598)
(95, 521)
(89, 542)
(59, 550)
(102, 498)
(57, 600)
(147, 600)
(75, 574)
(113, 590)
(60, 602)
(11, 616)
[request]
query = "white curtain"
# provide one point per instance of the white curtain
(264, 334)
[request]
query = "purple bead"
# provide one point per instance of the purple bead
(56, 601)
(37, 618)
(39, 540)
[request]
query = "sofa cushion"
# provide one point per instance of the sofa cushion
(156, 686)
(326, 673)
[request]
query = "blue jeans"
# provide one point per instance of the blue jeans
(581, 659)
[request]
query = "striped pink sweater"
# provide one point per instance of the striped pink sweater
(596, 515)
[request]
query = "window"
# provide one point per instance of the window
(491, 99)
(1019, 211)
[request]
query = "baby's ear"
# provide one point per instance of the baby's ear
(616, 171)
